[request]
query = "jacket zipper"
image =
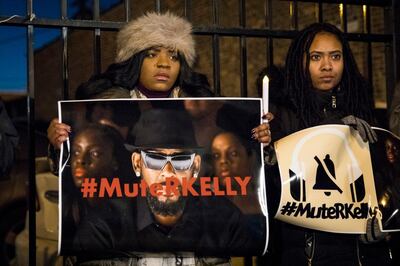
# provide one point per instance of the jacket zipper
(333, 101)
(333, 104)
(334, 92)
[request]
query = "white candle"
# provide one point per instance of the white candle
(265, 94)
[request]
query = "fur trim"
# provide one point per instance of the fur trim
(155, 29)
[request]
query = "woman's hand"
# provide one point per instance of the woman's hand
(57, 133)
(262, 133)
(364, 129)
(374, 229)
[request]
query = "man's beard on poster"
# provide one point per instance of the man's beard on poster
(168, 207)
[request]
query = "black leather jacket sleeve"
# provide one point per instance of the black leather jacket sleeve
(8, 141)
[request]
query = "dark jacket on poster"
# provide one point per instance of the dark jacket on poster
(301, 246)
(208, 226)
(105, 230)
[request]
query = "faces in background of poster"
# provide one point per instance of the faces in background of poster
(92, 159)
(387, 178)
(392, 150)
(233, 157)
(230, 156)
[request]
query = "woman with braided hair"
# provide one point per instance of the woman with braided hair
(323, 85)
(337, 79)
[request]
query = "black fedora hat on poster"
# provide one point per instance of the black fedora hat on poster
(164, 128)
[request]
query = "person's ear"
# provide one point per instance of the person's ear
(196, 165)
(136, 163)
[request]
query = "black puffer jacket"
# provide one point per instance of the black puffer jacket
(8, 142)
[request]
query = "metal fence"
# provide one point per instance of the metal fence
(390, 38)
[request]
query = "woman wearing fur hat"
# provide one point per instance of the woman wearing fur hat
(155, 56)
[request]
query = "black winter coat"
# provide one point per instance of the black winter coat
(8, 142)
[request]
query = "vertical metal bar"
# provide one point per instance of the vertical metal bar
(158, 5)
(216, 68)
(243, 50)
(364, 19)
(127, 10)
(270, 41)
(270, 51)
(65, 63)
(320, 11)
(294, 15)
(64, 59)
(63, 9)
(291, 14)
(396, 39)
(97, 39)
(316, 11)
(96, 10)
(31, 137)
(242, 13)
(390, 65)
(392, 23)
(188, 9)
(344, 21)
(367, 18)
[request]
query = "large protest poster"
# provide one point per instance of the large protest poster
(171, 175)
(333, 181)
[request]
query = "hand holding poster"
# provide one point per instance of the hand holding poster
(156, 180)
(329, 182)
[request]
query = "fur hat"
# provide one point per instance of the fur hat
(155, 29)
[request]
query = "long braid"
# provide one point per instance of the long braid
(298, 86)
(359, 100)
(297, 79)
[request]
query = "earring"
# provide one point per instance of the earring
(195, 174)
(137, 173)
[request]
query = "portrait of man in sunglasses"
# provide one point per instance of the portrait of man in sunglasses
(159, 165)
(165, 149)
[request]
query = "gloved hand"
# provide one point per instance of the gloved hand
(374, 229)
(363, 128)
